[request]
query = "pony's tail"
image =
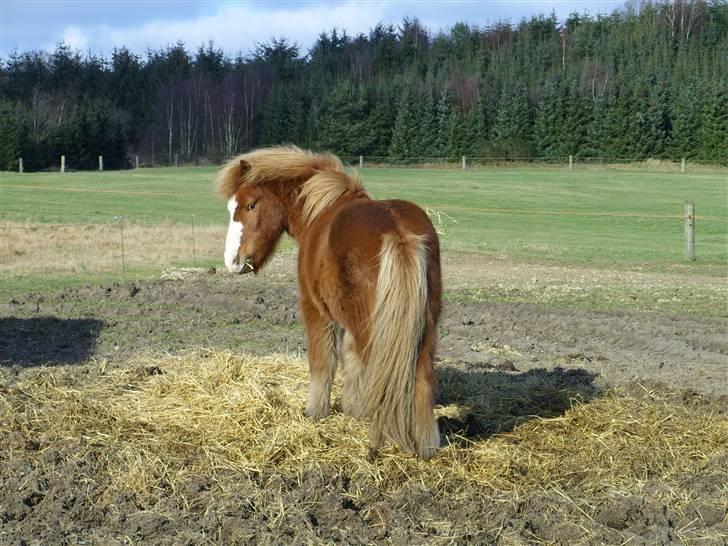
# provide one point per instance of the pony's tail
(397, 327)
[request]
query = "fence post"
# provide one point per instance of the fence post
(121, 229)
(682, 166)
(176, 160)
(361, 161)
(465, 166)
(690, 232)
(571, 162)
(63, 163)
(101, 163)
(20, 165)
(137, 162)
(194, 253)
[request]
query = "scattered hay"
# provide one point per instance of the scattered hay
(167, 420)
(440, 220)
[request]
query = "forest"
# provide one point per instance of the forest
(649, 80)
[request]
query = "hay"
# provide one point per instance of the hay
(166, 420)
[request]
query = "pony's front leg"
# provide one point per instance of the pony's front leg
(322, 360)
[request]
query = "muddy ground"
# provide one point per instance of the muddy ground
(500, 317)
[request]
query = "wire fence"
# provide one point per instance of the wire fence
(121, 244)
(118, 244)
(125, 242)
(461, 162)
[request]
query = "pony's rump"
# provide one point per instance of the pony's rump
(398, 322)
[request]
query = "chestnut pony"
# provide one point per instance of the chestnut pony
(368, 269)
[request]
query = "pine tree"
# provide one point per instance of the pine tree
(456, 135)
(442, 119)
(548, 123)
(687, 110)
(513, 123)
(572, 134)
(426, 140)
(714, 134)
(404, 133)
(379, 123)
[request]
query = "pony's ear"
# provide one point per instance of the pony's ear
(231, 176)
(243, 168)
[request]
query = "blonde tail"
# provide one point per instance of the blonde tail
(398, 322)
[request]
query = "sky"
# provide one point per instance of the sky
(97, 26)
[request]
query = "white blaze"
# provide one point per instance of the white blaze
(233, 239)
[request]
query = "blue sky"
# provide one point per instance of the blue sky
(98, 26)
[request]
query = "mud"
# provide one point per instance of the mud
(46, 497)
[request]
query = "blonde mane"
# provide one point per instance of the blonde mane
(321, 176)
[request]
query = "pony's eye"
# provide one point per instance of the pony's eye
(251, 206)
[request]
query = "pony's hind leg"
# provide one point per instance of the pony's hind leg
(426, 432)
(321, 362)
(353, 378)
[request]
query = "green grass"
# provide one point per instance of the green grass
(609, 218)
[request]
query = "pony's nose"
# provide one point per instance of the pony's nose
(236, 260)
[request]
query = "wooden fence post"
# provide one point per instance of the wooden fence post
(194, 250)
(682, 166)
(465, 165)
(121, 230)
(63, 163)
(690, 232)
(361, 161)
(176, 160)
(571, 162)
(101, 163)
(20, 165)
(137, 162)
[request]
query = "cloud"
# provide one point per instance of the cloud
(75, 37)
(237, 28)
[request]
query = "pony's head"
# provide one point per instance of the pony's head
(264, 186)
(257, 220)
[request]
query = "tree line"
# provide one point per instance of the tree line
(646, 81)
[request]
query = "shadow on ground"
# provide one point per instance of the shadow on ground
(47, 340)
(490, 402)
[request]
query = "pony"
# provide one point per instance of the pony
(369, 284)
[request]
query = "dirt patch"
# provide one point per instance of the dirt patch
(259, 315)
(510, 364)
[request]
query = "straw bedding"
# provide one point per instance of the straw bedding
(165, 421)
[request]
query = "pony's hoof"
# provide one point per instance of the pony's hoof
(316, 414)
(426, 453)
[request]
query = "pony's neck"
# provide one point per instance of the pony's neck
(297, 226)
(288, 195)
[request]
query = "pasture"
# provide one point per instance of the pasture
(613, 217)
(582, 363)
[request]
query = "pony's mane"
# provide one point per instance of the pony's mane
(322, 175)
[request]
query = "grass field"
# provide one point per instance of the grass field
(614, 217)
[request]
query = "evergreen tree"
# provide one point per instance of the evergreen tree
(443, 114)
(714, 134)
(456, 135)
(572, 133)
(426, 142)
(379, 123)
(405, 132)
(342, 124)
(513, 123)
(686, 120)
(549, 121)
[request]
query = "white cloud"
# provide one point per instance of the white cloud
(237, 28)
(75, 37)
